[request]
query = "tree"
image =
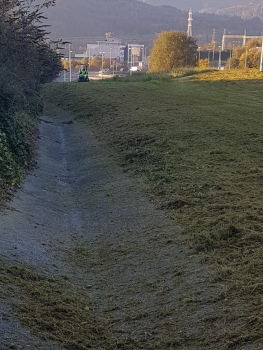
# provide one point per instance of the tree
(232, 63)
(23, 43)
(246, 56)
(95, 63)
(250, 59)
(172, 50)
(203, 63)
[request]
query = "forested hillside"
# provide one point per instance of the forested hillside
(245, 11)
(132, 20)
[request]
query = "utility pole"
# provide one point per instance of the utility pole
(213, 42)
(245, 37)
(190, 23)
(223, 40)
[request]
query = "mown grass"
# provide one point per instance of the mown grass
(195, 145)
(54, 310)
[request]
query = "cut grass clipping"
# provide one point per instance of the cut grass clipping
(43, 306)
(195, 145)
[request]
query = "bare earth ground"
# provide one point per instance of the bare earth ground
(79, 217)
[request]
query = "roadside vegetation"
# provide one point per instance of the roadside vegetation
(26, 61)
(195, 146)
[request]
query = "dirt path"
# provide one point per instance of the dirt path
(78, 215)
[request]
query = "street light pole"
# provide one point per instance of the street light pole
(69, 60)
(110, 56)
(219, 60)
(213, 55)
(102, 64)
(87, 53)
(261, 58)
(89, 56)
(64, 70)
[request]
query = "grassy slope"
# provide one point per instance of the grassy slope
(196, 146)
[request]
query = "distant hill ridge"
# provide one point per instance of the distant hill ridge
(246, 12)
(202, 5)
(245, 9)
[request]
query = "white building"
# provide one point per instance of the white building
(110, 48)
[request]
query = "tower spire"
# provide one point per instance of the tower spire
(190, 23)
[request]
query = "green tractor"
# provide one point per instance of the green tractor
(83, 74)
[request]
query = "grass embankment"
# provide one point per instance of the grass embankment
(196, 146)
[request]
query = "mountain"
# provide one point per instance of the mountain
(245, 11)
(132, 21)
(180, 4)
(243, 8)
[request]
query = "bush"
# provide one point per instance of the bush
(23, 46)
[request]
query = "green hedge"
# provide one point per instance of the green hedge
(18, 111)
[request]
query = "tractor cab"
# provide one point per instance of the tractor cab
(83, 74)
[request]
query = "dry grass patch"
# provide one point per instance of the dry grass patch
(230, 75)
